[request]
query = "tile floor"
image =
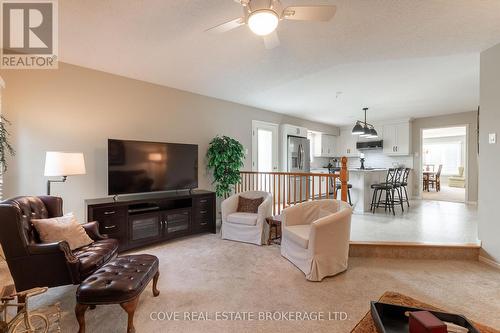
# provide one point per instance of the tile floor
(424, 221)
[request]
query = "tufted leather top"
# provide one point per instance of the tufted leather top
(95, 255)
(15, 220)
(120, 280)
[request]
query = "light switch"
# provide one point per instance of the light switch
(492, 138)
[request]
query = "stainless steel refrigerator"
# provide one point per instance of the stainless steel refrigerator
(299, 162)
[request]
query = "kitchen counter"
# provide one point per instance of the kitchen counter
(361, 192)
(368, 170)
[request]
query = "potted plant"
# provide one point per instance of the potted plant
(225, 158)
(5, 146)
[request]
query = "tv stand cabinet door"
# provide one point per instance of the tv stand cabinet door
(177, 223)
(145, 228)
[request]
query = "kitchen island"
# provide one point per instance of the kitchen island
(361, 192)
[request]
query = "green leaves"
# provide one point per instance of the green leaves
(5, 147)
(225, 158)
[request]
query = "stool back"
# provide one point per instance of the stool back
(406, 174)
(391, 176)
(399, 175)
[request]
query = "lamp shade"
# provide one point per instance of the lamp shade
(366, 132)
(64, 164)
(358, 129)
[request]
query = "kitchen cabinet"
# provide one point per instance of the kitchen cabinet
(347, 145)
(324, 145)
(397, 139)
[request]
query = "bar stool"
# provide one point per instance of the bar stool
(404, 185)
(391, 186)
(339, 187)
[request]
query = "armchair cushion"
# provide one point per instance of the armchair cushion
(243, 218)
(299, 234)
(93, 256)
(63, 228)
(247, 205)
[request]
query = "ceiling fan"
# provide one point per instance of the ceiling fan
(263, 17)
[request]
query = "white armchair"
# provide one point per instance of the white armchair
(246, 227)
(458, 180)
(315, 237)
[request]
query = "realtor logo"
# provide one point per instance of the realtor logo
(29, 34)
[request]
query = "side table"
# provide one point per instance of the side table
(274, 222)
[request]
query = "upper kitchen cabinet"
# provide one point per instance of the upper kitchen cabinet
(323, 145)
(347, 144)
(397, 139)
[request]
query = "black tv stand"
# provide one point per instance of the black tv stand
(146, 219)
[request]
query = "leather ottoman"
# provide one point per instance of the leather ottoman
(121, 281)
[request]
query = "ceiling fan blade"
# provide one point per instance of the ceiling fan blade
(310, 13)
(233, 24)
(272, 40)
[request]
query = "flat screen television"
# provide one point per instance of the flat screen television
(140, 167)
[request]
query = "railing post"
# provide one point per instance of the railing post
(343, 179)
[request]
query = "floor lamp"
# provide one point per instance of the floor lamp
(60, 164)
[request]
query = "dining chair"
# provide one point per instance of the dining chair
(435, 180)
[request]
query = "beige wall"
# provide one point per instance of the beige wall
(466, 118)
(489, 159)
(77, 109)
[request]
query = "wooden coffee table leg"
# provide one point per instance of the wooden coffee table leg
(130, 307)
(80, 316)
(156, 292)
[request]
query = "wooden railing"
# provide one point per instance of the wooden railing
(289, 188)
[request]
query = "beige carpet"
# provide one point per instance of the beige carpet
(206, 274)
(451, 194)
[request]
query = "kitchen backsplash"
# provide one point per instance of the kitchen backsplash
(319, 162)
(373, 159)
(377, 159)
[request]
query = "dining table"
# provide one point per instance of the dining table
(426, 176)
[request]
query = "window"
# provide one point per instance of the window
(264, 150)
(264, 146)
(449, 154)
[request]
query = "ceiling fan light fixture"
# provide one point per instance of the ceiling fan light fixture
(263, 22)
(373, 133)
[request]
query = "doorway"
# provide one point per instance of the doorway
(444, 164)
(264, 146)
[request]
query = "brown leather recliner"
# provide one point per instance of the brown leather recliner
(36, 264)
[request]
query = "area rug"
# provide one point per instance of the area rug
(366, 324)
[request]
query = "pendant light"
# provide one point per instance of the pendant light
(358, 129)
(365, 130)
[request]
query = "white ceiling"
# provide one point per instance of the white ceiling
(401, 58)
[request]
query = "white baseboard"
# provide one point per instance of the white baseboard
(489, 262)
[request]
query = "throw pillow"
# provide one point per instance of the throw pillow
(246, 205)
(64, 228)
